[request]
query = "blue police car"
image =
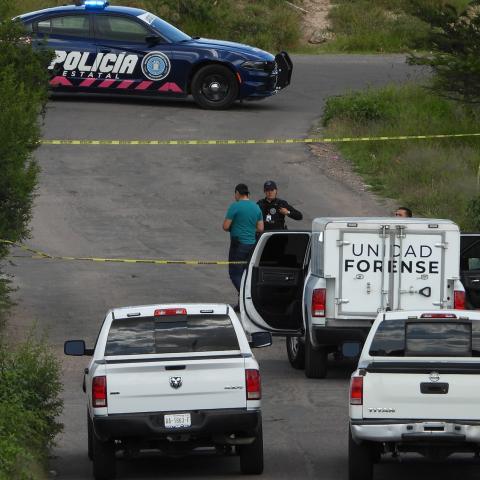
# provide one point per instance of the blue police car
(112, 49)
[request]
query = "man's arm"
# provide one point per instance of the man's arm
(260, 226)
(227, 223)
(291, 212)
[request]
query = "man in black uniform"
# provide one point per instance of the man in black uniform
(274, 209)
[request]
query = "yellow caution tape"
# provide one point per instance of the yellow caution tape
(265, 141)
(39, 255)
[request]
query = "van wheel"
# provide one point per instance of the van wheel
(360, 460)
(89, 437)
(316, 361)
(104, 467)
(214, 87)
(296, 352)
(251, 456)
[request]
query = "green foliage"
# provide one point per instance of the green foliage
(435, 178)
(473, 213)
(454, 41)
(29, 401)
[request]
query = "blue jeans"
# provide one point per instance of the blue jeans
(239, 252)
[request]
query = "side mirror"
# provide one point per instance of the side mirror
(76, 348)
(261, 339)
(351, 349)
(153, 39)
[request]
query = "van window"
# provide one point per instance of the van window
(171, 334)
(400, 338)
(285, 250)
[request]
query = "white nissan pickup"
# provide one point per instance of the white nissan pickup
(172, 378)
(416, 389)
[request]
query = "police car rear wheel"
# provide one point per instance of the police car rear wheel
(214, 87)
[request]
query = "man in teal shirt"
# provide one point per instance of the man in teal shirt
(243, 220)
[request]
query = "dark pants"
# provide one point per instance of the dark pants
(239, 252)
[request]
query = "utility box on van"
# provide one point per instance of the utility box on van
(324, 288)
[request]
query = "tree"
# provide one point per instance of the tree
(23, 94)
(454, 40)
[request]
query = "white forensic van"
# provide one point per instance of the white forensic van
(324, 288)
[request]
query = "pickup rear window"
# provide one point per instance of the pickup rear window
(171, 334)
(405, 338)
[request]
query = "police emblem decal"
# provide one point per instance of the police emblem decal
(176, 382)
(156, 66)
(273, 211)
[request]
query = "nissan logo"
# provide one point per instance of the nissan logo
(434, 377)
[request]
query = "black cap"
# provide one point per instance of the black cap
(242, 189)
(269, 185)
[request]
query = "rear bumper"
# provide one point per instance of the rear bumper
(418, 431)
(215, 425)
(338, 335)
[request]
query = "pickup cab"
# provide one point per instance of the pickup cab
(324, 287)
(172, 378)
(416, 389)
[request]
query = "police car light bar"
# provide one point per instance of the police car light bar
(96, 4)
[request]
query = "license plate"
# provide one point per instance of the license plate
(178, 420)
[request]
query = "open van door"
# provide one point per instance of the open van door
(470, 268)
(271, 293)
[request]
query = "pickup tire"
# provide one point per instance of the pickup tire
(89, 437)
(316, 361)
(251, 456)
(104, 467)
(296, 352)
(360, 460)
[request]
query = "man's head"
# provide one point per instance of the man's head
(270, 189)
(403, 212)
(241, 191)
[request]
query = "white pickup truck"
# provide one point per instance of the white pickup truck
(325, 287)
(416, 389)
(172, 378)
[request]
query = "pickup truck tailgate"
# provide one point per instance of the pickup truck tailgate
(209, 383)
(409, 391)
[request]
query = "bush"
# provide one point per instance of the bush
(29, 401)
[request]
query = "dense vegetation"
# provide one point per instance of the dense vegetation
(268, 24)
(29, 373)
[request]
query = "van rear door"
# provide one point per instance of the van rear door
(470, 268)
(271, 294)
(174, 362)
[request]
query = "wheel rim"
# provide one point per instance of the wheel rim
(215, 88)
(294, 345)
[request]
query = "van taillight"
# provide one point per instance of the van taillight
(99, 392)
(459, 300)
(319, 298)
(252, 380)
(356, 391)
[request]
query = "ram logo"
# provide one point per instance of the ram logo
(176, 382)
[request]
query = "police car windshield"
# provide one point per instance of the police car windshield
(166, 30)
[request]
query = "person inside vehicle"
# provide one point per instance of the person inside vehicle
(403, 212)
(274, 209)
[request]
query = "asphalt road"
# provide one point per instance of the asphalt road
(169, 202)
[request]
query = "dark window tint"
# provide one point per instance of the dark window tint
(287, 251)
(438, 339)
(69, 26)
(398, 338)
(171, 334)
(122, 29)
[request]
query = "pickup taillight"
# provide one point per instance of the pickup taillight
(252, 381)
(459, 300)
(99, 392)
(356, 391)
(319, 298)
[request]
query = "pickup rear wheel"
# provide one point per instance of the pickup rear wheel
(316, 361)
(296, 352)
(104, 467)
(360, 460)
(251, 456)
(214, 87)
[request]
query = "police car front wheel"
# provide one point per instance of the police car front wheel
(214, 87)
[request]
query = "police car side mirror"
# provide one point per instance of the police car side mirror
(153, 39)
(261, 339)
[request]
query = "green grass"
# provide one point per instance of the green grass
(436, 178)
